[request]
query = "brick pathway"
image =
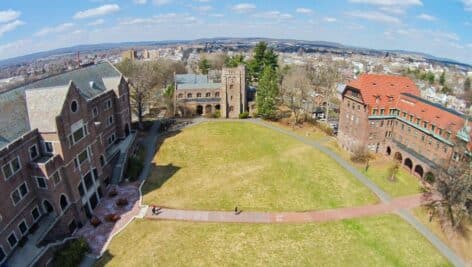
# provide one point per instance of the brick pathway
(288, 217)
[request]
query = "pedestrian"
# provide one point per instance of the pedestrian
(154, 210)
(367, 166)
(236, 210)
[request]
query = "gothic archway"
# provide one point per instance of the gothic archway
(409, 163)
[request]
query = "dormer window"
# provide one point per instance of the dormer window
(374, 111)
(382, 111)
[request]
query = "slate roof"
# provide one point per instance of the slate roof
(194, 81)
(14, 119)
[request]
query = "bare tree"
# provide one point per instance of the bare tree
(295, 90)
(324, 78)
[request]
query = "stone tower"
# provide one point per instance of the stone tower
(233, 92)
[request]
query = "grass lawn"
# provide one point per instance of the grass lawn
(406, 183)
(373, 241)
(307, 130)
(218, 165)
(461, 244)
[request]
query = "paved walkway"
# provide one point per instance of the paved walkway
(288, 217)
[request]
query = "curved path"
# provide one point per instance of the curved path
(287, 217)
(387, 205)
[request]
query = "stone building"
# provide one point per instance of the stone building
(387, 115)
(198, 95)
(59, 140)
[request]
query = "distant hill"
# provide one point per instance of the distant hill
(249, 41)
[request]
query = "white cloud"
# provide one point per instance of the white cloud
(57, 29)
(217, 15)
(10, 26)
(273, 15)
(96, 22)
(330, 19)
(203, 8)
(161, 2)
(140, 2)
(9, 15)
(389, 2)
(172, 18)
(467, 5)
(95, 12)
(427, 17)
(392, 10)
(303, 10)
(243, 8)
(375, 16)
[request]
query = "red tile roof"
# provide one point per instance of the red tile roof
(383, 90)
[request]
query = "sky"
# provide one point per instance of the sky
(442, 28)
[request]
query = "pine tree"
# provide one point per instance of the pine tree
(467, 85)
(442, 78)
(267, 93)
(204, 66)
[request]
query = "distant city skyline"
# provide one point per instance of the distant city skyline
(439, 28)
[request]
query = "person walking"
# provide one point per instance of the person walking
(236, 210)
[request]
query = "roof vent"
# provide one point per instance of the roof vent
(92, 84)
(374, 84)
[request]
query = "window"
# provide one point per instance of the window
(448, 135)
(110, 120)
(348, 104)
(63, 202)
(81, 189)
(95, 174)
(455, 156)
(33, 151)
(12, 240)
(381, 123)
(111, 139)
(374, 111)
(95, 112)
(74, 106)
(108, 104)
(41, 182)
(404, 114)
(35, 213)
(102, 161)
(208, 94)
(12, 167)
(382, 111)
(88, 181)
(199, 95)
(411, 118)
(82, 157)
(231, 87)
(217, 94)
(48, 148)
(23, 227)
(425, 124)
(77, 135)
(440, 131)
(433, 127)
(56, 177)
(2, 255)
(19, 193)
(403, 126)
(189, 95)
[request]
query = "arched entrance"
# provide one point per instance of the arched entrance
(47, 207)
(127, 129)
(419, 170)
(199, 110)
(389, 151)
(217, 107)
(409, 163)
(207, 109)
(398, 156)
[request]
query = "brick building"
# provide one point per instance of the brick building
(59, 140)
(197, 95)
(387, 115)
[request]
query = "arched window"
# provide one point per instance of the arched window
(189, 95)
(208, 94)
(180, 95)
(74, 106)
(199, 95)
(217, 94)
(63, 202)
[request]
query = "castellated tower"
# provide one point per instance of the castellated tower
(233, 92)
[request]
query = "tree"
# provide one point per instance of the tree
(430, 77)
(262, 57)
(204, 66)
(234, 61)
(442, 78)
(294, 91)
(169, 97)
(267, 93)
(325, 78)
(393, 171)
(455, 188)
(467, 85)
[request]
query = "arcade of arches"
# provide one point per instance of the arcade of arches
(409, 164)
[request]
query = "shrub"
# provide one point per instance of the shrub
(95, 221)
(112, 217)
(112, 193)
(244, 115)
(135, 165)
(72, 253)
(429, 177)
(361, 155)
(122, 202)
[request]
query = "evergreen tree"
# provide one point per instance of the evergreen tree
(267, 93)
(234, 61)
(467, 85)
(204, 66)
(262, 57)
(442, 78)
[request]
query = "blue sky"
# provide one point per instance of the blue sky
(439, 27)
